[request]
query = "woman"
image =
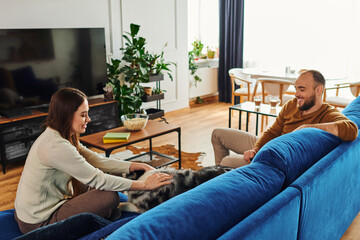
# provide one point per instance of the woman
(62, 178)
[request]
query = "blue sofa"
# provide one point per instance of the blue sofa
(302, 185)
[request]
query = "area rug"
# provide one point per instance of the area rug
(188, 160)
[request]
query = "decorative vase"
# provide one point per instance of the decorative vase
(108, 96)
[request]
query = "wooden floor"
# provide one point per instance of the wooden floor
(196, 124)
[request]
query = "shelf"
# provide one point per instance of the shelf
(154, 113)
(152, 97)
(155, 78)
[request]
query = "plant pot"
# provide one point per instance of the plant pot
(153, 97)
(109, 96)
(211, 54)
(148, 91)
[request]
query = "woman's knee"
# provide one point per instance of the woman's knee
(110, 197)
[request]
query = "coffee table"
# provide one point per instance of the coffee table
(153, 129)
(249, 107)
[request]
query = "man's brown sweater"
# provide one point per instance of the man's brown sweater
(290, 118)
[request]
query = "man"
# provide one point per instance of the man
(306, 110)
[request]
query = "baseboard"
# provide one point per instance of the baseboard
(206, 99)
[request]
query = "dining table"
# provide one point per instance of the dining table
(255, 73)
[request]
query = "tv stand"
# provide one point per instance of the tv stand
(44, 109)
(17, 134)
(16, 112)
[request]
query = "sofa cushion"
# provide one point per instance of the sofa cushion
(208, 210)
(9, 227)
(352, 111)
(295, 152)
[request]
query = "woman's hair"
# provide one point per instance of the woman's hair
(63, 104)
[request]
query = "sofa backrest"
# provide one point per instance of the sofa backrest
(278, 219)
(330, 190)
(352, 111)
(209, 210)
(330, 193)
(295, 152)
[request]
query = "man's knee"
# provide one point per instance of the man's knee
(217, 134)
(233, 161)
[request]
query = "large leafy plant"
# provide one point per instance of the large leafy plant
(135, 66)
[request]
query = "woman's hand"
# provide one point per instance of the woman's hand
(153, 181)
(140, 166)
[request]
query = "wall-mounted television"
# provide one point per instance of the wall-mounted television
(34, 63)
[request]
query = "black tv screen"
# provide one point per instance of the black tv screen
(34, 63)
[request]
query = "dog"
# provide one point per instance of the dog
(182, 181)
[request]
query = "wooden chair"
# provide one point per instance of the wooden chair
(342, 102)
(238, 78)
(274, 87)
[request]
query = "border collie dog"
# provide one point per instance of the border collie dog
(182, 181)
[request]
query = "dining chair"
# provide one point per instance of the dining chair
(340, 101)
(245, 83)
(274, 87)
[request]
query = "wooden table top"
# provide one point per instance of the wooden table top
(152, 129)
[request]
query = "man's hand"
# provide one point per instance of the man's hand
(250, 154)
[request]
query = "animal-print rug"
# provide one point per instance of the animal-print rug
(188, 160)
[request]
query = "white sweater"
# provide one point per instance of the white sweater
(51, 162)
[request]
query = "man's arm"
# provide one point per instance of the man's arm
(344, 129)
(328, 127)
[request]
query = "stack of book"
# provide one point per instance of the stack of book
(114, 137)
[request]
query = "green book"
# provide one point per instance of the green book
(115, 135)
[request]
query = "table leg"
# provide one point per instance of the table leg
(247, 121)
(257, 127)
(240, 119)
(229, 117)
(179, 146)
(150, 143)
(107, 153)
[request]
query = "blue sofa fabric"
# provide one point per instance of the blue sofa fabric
(328, 190)
(10, 229)
(295, 152)
(71, 228)
(328, 206)
(352, 111)
(278, 219)
(208, 210)
(8, 225)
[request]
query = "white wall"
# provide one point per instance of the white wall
(161, 21)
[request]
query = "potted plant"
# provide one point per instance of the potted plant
(135, 67)
(193, 55)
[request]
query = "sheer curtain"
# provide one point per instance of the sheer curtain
(321, 34)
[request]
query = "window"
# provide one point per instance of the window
(203, 23)
(321, 34)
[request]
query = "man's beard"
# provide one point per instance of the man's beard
(308, 104)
